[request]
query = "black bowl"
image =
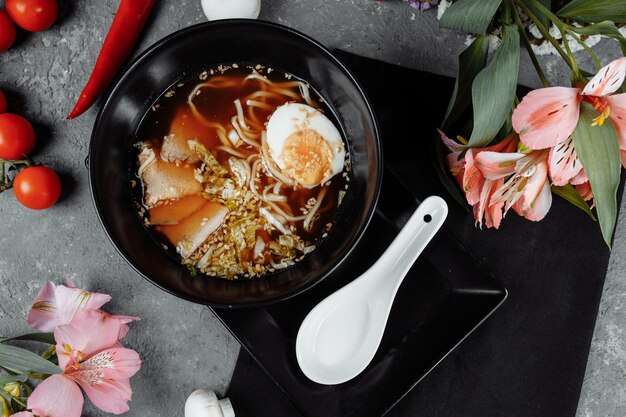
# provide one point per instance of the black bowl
(187, 52)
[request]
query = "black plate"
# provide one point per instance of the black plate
(447, 289)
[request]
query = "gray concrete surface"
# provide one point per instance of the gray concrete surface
(184, 347)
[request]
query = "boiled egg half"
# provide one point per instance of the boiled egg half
(305, 144)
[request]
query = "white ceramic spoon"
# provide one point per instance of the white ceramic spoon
(339, 337)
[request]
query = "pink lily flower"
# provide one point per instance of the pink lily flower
(547, 117)
(91, 357)
(525, 186)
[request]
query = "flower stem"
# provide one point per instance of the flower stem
(529, 48)
(545, 33)
(576, 75)
(553, 18)
(20, 402)
(587, 48)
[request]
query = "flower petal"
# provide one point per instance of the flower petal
(56, 396)
(451, 144)
(110, 396)
(538, 208)
(608, 80)
(508, 144)
(23, 414)
(116, 363)
(584, 190)
(90, 332)
(617, 103)
(42, 315)
(580, 178)
(58, 304)
(473, 179)
(491, 213)
(124, 319)
(547, 116)
(564, 163)
(71, 301)
(494, 165)
(535, 186)
(456, 167)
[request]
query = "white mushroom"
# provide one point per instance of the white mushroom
(227, 9)
(204, 403)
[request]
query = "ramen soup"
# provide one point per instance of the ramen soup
(241, 171)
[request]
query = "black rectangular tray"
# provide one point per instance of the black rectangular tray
(445, 296)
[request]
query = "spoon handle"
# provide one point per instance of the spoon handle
(411, 241)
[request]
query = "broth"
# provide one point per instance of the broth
(209, 183)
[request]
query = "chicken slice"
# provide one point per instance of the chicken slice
(164, 180)
(184, 127)
(194, 230)
(174, 212)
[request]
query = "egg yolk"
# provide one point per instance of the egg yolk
(307, 157)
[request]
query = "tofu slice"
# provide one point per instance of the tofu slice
(164, 180)
(174, 212)
(195, 229)
(184, 127)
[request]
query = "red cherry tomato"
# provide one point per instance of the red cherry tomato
(17, 136)
(33, 15)
(37, 187)
(3, 103)
(7, 31)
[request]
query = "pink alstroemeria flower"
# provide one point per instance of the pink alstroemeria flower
(547, 117)
(91, 357)
(57, 305)
(477, 188)
(525, 186)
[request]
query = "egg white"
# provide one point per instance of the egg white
(292, 117)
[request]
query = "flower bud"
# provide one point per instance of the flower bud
(14, 389)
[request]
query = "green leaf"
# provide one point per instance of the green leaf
(13, 357)
(493, 90)
(595, 11)
(13, 378)
(568, 192)
(471, 62)
(606, 28)
(472, 16)
(34, 337)
(598, 150)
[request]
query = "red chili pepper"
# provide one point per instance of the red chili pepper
(130, 18)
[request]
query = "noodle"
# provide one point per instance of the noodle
(253, 103)
(270, 221)
(232, 152)
(269, 162)
(309, 218)
(243, 136)
(240, 116)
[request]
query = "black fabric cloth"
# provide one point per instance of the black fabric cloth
(529, 358)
